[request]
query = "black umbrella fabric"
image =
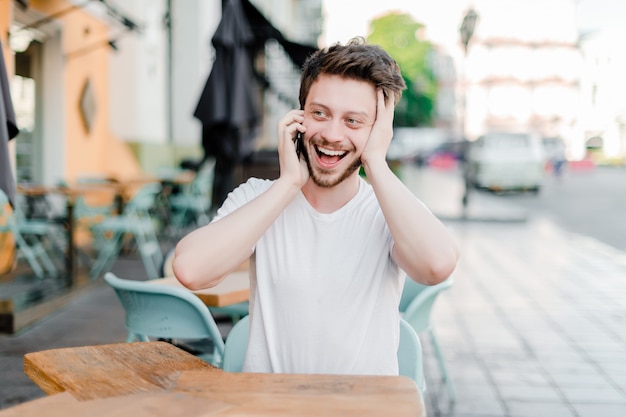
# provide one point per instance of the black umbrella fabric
(229, 103)
(8, 130)
(230, 96)
(229, 106)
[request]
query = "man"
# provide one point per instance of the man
(329, 251)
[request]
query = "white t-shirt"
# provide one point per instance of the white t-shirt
(324, 291)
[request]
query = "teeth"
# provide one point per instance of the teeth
(331, 152)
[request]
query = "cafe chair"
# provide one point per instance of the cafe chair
(410, 362)
(234, 311)
(409, 351)
(87, 212)
(136, 222)
(31, 238)
(416, 307)
(192, 206)
(236, 346)
(166, 312)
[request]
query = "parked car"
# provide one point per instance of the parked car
(506, 161)
(414, 144)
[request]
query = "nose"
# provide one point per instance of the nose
(333, 131)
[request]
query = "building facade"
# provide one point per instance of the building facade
(109, 88)
(523, 70)
(603, 116)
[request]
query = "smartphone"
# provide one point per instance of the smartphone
(299, 143)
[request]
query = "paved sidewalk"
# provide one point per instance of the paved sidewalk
(534, 326)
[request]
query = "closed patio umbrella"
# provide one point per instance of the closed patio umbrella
(229, 106)
(8, 130)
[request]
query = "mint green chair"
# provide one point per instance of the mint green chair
(136, 222)
(236, 346)
(416, 307)
(192, 206)
(234, 311)
(31, 238)
(166, 312)
(409, 351)
(410, 361)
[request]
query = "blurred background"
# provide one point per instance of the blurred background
(112, 87)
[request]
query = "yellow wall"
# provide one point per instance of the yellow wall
(5, 19)
(96, 151)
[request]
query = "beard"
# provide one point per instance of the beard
(327, 179)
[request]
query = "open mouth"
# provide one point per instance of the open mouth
(329, 156)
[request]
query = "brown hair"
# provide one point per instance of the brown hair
(356, 60)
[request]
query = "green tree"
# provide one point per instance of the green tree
(398, 34)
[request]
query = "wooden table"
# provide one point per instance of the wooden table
(235, 288)
(158, 379)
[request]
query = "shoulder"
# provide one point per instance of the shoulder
(244, 193)
(254, 185)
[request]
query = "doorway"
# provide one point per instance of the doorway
(25, 87)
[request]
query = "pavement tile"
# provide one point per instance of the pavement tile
(587, 394)
(539, 409)
(529, 393)
(600, 410)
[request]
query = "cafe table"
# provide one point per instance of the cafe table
(71, 194)
(159, 379)
(235, 288)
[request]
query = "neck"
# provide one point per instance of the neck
(331, 199)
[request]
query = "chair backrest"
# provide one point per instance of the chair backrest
(144, 200)
(417, 302)
(167, 269)
(7, 221)
(202, 185)
(410, 361)
(10, 217)
(409, 351)
(236, 345)
(163, 311)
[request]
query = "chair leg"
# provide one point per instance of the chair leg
(41, 252)
(28, 253)
(107, 255)
(442, 366)
(135, 336)
(150, 251)
(46, 261)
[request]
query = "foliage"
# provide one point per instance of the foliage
(398, 33)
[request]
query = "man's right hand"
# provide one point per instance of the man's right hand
(292, 169)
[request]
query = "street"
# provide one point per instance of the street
(590, 203)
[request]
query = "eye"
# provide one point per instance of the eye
(353, 123)
(320, 114)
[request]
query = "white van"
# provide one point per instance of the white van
(506, 161)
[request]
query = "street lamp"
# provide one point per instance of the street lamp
(467, 27)
(466, 30)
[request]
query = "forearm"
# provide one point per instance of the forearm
(423, 247)
(206, 255)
